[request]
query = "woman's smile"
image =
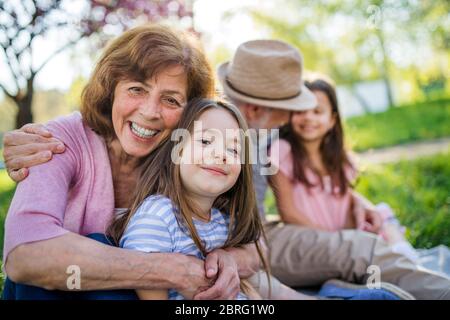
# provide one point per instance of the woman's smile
(142, 132)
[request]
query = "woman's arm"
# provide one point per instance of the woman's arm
(283, 191)
(152, 294)
(101, 266)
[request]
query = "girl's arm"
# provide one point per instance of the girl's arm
(283, 190)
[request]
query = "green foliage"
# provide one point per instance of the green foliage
(353, 41)
(399, 125)
(418, 191)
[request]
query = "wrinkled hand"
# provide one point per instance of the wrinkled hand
(28, 146)
(221, 266)
(192, 277)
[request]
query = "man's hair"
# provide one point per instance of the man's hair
(138, 55)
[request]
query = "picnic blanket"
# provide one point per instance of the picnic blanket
(436, 259)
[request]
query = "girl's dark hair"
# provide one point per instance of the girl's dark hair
(161, 176)
(332, 149)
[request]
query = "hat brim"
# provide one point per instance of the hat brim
(306, 100)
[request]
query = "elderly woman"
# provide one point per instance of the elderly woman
(133, 99)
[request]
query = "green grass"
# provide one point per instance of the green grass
(418, 191)
(399, 125)
(7, 187)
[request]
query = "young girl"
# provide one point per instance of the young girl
(313, 184)
(197, 195)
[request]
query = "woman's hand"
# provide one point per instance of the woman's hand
(28, 146)
(221, 267)
(188, 275)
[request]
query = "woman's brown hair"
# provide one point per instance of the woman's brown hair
(334, 155)
(140, 54)
(161, 176)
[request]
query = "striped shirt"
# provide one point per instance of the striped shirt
(154, 228)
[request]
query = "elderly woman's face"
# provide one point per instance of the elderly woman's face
(142, 113)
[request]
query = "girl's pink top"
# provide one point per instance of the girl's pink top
(322, 206)
(71, 193)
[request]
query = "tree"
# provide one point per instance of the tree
(359, 39)
(24, 22)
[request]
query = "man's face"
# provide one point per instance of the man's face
(276, 118)
(263, 117)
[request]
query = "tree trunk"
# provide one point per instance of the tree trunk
(24, 113)
(24, 102)
(385, 68)
(360, 99)
(387, 84)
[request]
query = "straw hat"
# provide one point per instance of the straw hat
(267, 73)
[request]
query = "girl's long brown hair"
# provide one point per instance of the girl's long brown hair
(161, 176)
(334, 155)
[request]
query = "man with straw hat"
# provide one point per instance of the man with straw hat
(264, 79)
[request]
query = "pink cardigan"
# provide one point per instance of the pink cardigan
(71, 193)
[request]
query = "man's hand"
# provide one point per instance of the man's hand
(28, 146)
(221, 267)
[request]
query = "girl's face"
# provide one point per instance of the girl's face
(313, 124)
(144, 112)
(210, 161)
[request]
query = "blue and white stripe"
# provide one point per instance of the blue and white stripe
(154, 228)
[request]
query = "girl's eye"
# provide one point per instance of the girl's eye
(205, 142)
(233, 151)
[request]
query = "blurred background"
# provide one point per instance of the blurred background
(389, 59)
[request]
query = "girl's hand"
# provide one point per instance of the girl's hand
(364, 214)
(220, 264)
(372, 221)
(26, 147)
(365, 218)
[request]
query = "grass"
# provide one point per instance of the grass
(418, 191)
(399, 125)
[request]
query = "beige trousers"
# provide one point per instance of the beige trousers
(305, 257)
